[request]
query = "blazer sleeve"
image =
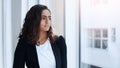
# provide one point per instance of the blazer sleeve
(19, 55)
(63, 51)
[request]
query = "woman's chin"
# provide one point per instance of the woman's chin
(47, 29)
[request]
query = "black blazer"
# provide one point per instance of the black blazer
(26, 54)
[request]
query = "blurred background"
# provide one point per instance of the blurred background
(90, 27)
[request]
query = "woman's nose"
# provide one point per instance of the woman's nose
(47, 20)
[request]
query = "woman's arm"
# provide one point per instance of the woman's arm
(19, 55)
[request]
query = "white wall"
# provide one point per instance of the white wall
(7, 41)
(24, 8)
(16, 22)
(1, 46)
(72, 32)
(58, 16)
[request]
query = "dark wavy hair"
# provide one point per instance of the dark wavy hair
(30, 31)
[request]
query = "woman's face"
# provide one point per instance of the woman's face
(45, 20)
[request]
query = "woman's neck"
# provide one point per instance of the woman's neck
(42, 38)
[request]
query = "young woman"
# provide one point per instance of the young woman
(38, 46)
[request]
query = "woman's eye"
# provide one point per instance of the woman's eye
(49, 18)
(43, 18)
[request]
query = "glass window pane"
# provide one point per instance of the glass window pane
(105, 33)
(31, 3)
(97, 33)
(97, 43)
(97, 15)
(89, 32)
(104, 44)
(90, 42)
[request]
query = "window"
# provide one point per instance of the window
(98, 38)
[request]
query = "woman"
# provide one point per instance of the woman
(38, 46)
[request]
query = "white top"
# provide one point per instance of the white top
(45, 55)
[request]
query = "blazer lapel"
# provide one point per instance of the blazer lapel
(36, 59)
(57, 55)
(33, 56)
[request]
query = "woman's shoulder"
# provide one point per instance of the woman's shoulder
(60, 38)
(61, 41)
(22, 43)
